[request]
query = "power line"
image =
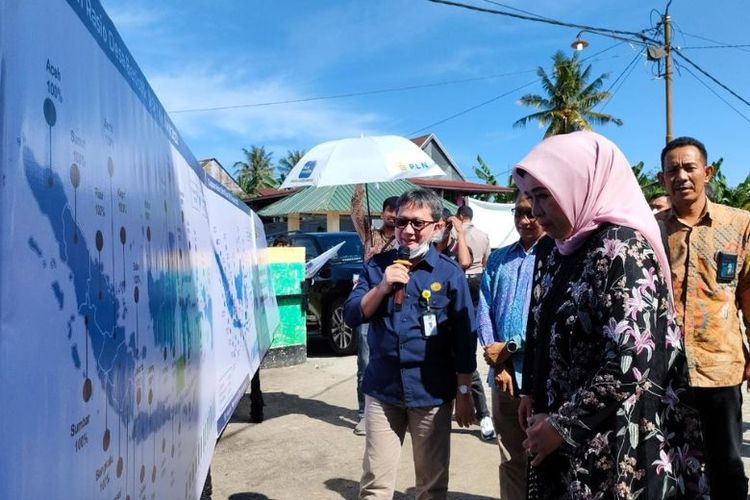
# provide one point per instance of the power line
(602, 51)
(712, 78)
(705, 39)
(472, 108)
(477, 106)
(715, 93)
(517, 9)
(740, 46)
(350, 94)
(640, 38)
(629, 69)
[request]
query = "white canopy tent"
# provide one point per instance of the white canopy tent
(495, 219)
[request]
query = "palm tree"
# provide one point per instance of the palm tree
(256, 171)
(570, 98)
(287, 163)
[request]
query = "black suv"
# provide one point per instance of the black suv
(328, 289)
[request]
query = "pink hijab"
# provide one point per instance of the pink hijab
(593, 183)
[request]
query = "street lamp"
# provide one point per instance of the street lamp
(579, 43)
(654, 52)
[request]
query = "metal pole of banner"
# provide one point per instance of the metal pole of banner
(369, 214)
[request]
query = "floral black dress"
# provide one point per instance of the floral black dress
(605, 360)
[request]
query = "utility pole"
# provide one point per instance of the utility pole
(668, 73)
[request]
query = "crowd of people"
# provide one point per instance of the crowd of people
(612, 330)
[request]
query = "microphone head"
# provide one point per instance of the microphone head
(403, 253)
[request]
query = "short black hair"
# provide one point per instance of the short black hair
(446, 214)
(281, 241)
(390, 203)
(465, 212)
(421, 197)
(682, 142)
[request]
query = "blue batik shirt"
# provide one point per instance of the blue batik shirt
(504, 301)
(406, 368)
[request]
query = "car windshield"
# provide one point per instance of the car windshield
(350, 252)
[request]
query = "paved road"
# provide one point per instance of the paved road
(305, 449)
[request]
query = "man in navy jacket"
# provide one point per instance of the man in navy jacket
(422, 351)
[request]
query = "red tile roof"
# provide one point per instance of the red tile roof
(419, 141)
(468, 187)
(270, 193)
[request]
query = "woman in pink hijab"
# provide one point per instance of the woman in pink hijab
(604, 371)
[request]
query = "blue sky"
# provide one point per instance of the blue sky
(205, 54)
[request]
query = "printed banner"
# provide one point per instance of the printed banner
(135, 302)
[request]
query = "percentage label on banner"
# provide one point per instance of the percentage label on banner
(54, 91)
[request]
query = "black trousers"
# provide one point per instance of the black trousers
(475, 284)
(477, 394)
(720, 410)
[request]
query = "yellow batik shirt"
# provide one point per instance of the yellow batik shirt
(708, 309)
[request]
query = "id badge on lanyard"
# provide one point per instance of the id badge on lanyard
(429, 324)
(428, 319)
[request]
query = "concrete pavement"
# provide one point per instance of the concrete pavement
(305, 448)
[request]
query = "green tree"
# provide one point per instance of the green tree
(570, 100)
(720, 191)
(256, 171)
(483, 171)
(648, 182)
(286, 164)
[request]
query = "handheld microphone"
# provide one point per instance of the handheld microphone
(402, 257)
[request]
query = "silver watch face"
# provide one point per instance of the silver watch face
(463, 389)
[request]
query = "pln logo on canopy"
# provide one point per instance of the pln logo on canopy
(307, 169)
(409, 167)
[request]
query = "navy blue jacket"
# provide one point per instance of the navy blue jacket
(405, 367)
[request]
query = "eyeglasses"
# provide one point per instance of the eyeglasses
(520, 214)
(417, 224)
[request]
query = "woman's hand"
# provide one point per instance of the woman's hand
(525, 411)
(542, 438)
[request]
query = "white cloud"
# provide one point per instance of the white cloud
(222, 133)
(311, 119)
(134, 17)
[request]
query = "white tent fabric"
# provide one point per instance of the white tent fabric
(495, 219)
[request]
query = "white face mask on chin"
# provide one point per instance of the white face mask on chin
(420, 251)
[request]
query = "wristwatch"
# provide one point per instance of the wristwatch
(463, 389)
(511, 346)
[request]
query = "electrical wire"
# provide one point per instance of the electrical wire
(711, 77)
(705, 39)
(602, 51)
(636, 37)
(349, 94)
(629, 69)
(747, 119)
(477, 106)
(493, 2)
(472, 108)
(717, 46)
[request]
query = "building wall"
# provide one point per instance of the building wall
(215, 170)
(437, 155)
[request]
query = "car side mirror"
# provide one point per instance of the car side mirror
(325, 272)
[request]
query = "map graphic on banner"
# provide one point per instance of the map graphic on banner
(135, 302)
